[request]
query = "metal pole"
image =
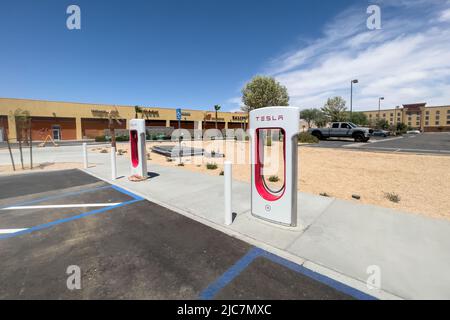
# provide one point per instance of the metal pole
(113, 163)
(227, 192)
(379, 107)
(31, 147)
(85, 156)
(351, 98)
(179, 141)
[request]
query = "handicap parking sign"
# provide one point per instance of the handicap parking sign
(178, 114)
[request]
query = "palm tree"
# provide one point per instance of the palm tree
(137, 110)
(113, 118)
(217, 108)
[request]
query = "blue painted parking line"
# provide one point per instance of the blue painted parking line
(56, 222)
(214, 288)
(135, 197)
(128, 193)
(229, 275)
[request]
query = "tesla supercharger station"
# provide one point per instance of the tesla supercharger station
(275, 202)
(137, 148)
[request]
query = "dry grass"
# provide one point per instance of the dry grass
(422, 182)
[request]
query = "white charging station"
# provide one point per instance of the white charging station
(138, 150)
(280, 126)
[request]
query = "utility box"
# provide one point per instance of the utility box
(274, 155)
(138, 151)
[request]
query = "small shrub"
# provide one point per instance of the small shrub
(324, 194)
(100, 139)
(120, 152)
(392, 196)
(274, 179)
(181, 164)
(169, 159)
(221, 173)
(103, 151)
(211, 166)
(122, 138)
(305, 137)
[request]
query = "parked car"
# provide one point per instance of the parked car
(342, 130)
(381, 133)
(413, 132)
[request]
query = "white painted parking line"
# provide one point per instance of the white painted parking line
(82, 205)
(7, 231)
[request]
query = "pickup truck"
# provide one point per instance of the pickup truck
(342, 130)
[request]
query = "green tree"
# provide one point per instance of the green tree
(382, 124)
(311, 115)
(335, 109)
(321, 120)
(263, 92)
(359, 118)
(401, 127)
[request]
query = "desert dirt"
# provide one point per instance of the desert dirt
(421, 182)
(47, 166)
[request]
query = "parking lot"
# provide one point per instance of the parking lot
(127, 247)
(428, 143)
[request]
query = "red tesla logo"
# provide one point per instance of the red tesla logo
(269, 118)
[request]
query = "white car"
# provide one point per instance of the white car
(413, 132)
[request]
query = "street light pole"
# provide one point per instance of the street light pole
(351, 95)
(379, 106)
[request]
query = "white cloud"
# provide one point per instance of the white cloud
(233, 104)
(445, 15)
(407, 61)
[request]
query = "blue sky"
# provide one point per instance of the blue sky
(198, 53)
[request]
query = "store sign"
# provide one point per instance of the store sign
(209, 117)
(150, 113)
(105, 114)
(239, 118)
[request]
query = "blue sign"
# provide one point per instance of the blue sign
(178, 114)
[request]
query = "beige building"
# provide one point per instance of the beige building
(417, 116)
(77, 121)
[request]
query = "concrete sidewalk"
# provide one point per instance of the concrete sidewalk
(340, 239)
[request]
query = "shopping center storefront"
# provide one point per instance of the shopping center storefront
(77, 121)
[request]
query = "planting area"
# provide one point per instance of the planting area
(408, 182)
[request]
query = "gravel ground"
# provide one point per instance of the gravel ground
(421, 182)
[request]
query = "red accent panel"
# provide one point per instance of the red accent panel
(259, 183)
(134, 148)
